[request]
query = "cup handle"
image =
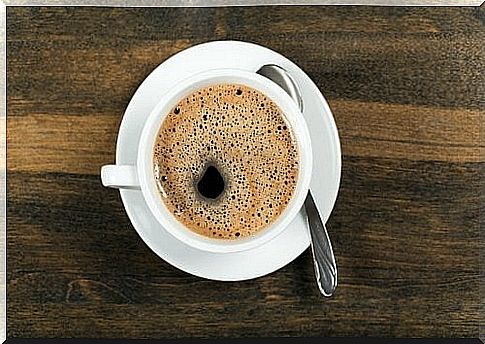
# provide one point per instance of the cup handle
(120, 177)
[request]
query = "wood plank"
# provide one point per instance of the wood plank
(369, 129)
(84, 26)
(78, 81)
(406, 250)
(204, 321)
(3, 144)
(394, 68)
(51, 74)
(354, 19)
(72, 144)
(82, 144)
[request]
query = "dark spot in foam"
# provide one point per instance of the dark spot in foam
(211, 185)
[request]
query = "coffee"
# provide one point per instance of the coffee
(226, 161)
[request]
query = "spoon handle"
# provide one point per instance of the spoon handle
(323, 258)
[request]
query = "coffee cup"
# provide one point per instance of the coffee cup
(140, 176)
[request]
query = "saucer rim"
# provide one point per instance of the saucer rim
(304, 242)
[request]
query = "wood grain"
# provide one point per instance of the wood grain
(366, 130)
(406, 91)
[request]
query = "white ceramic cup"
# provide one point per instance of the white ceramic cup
(141, 176)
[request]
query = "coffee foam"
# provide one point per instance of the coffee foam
(245, 136)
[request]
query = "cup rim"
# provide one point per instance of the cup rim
(145, 158)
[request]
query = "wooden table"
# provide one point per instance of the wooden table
(404, 85)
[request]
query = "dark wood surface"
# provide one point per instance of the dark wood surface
(405, 86)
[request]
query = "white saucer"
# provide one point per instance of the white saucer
(325, 180)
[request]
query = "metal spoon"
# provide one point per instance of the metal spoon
(323, 257)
